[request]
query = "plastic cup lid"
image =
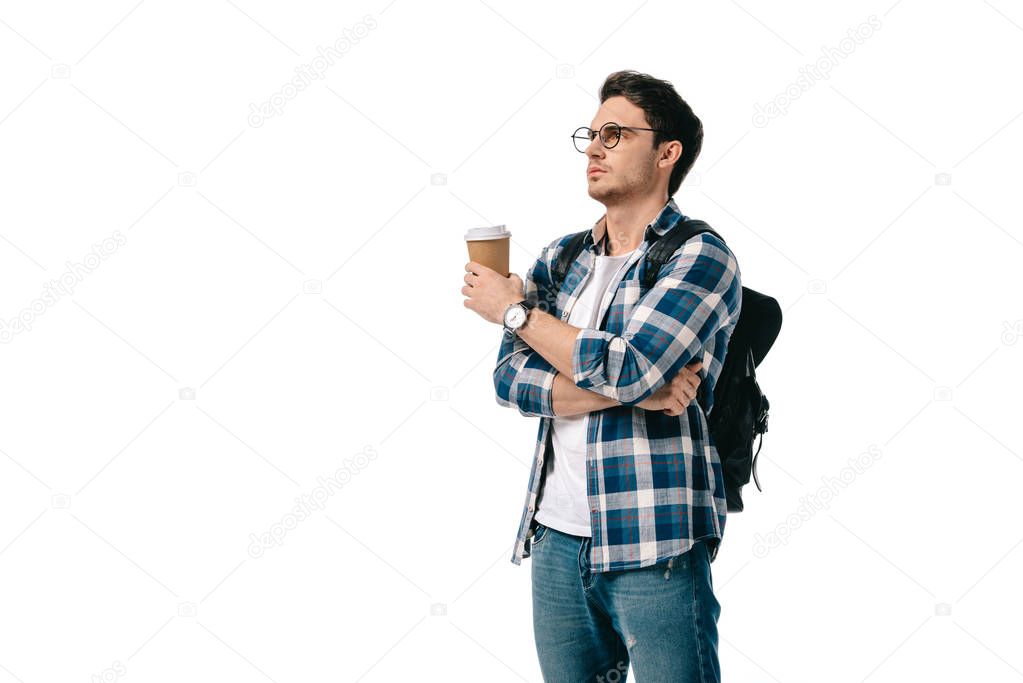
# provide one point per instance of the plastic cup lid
(489, 233)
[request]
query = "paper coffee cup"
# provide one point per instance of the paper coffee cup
(489, 246)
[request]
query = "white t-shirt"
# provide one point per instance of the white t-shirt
(563, 504)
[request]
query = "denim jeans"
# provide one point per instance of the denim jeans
(590, 626)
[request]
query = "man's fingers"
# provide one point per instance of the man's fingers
(684, 391)
(677, 408)
(690, 378)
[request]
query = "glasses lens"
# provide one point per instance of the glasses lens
(610, 133)
(582, 139)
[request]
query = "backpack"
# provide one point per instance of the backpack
(740, 409)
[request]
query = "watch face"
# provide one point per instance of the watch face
(515, 317)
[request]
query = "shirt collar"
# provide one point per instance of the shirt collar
(664, 222)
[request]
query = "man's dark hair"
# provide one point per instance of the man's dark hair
(665, 110)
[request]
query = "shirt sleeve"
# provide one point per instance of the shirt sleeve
(697, 293)
(523, 378)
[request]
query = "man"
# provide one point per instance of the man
(626, 502)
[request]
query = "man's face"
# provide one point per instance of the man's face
(629, 167)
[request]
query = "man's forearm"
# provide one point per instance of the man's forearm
(552, 339)
(568, 399)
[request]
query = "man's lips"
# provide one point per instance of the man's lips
(593, 169)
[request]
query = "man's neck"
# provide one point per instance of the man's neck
(625, 224)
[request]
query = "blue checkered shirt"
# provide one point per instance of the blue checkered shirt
(654, 483)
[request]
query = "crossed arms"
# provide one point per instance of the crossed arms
(554, 369)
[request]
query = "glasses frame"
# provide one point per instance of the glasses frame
(590, 133)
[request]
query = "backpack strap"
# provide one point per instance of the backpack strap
(661, 250)
(656, 256)
(566, 257)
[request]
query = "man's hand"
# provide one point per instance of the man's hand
(489, 292)
(673, 398)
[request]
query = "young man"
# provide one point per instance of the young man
(626, 503)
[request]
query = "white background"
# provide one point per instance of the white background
(198, 380)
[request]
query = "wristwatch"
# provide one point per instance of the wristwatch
(516, 314)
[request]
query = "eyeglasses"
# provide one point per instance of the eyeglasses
(610, 135)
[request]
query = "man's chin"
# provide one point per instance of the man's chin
(598, 193)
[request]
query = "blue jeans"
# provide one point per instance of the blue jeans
(590, 626)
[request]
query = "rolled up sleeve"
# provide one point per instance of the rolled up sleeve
(696, 294)
(523, 378)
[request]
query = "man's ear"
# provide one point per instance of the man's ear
(671, 153)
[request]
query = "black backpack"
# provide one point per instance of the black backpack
(740, 409)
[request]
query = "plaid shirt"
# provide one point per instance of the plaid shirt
(654, 482)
